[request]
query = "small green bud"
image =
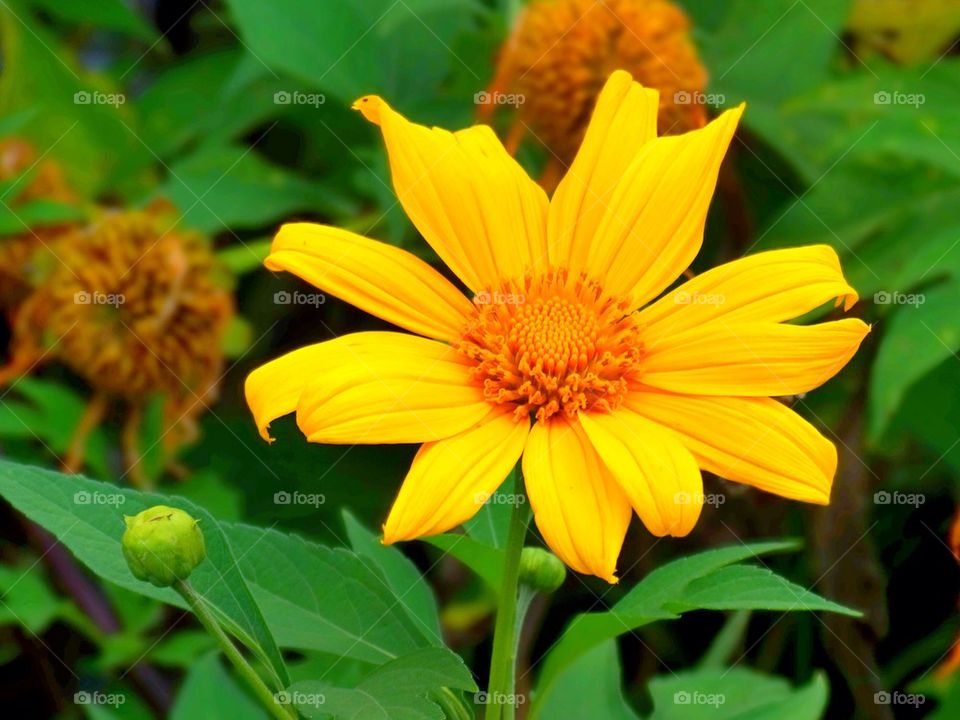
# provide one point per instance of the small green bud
(541, 570)
(162, 544)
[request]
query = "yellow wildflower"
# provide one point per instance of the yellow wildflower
(564, 357)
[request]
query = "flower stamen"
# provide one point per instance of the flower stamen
(552, 343)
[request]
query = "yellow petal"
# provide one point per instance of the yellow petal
(751, 359)
(410, 390)
(756, 441)
(451, 479)
(378, 278)
(653, 225)
(274, 389)
(770, 286)
(472, 202)
(658, 474)
(624, 119)
(579, 508)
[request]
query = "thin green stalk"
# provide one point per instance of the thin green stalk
(500, 694)
(207, 619)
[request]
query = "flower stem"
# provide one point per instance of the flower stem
(500, 694)
(207, 619)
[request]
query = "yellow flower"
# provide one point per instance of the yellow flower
(612, 400)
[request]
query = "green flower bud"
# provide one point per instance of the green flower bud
(162, 544)
(541, 570)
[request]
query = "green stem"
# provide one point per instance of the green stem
(501, 690)
(207, 619)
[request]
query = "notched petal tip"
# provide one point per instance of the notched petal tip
(369, 106)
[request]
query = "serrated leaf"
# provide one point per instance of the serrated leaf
(677, 587)
(403, 577)
(735, 694)
(320, 598)
(748, 587)
(397, 690)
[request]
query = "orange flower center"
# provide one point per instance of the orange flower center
(552, 343)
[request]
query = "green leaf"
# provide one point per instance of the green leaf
(318, 598)
(116, 15)
(397, 690)
(243, 258)
(223, 187)
(237, 338)
(93, 138)
(181, 649)
(87, 517)
(399, 50)
(27, 599)
(702, 581)
(745, 587)
(589, 687)
(189, 101)
(916, 339)
(403, 577)
(210, 692)
(36, 214)
(726, 642)
(484, 560)
(45, 409)
(752, 50)
(491, 524)
(735, 694)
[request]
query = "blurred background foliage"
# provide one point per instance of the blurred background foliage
(851, 138)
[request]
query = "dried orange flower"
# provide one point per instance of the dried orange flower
(135, 308)
(18, 156)
(561, 52)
